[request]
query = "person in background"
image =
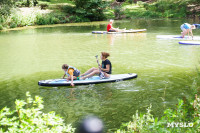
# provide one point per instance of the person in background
(106, 68)
(71, 72)
(110, 28)
(187, 29)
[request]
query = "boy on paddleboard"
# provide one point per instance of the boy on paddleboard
(105, 68)
(71, 72)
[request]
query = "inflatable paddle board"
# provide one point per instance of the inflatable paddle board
(126, 31)
(177, 37)
(189, 42)
(92, 80)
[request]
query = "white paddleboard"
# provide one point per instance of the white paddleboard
(189, 42)
(126, 31)
(177, 37)
(92, 80)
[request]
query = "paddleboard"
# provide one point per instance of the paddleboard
(92, 80)
(189, 42)
(177, 37)
(126, 31)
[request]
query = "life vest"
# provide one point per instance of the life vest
(76, 71)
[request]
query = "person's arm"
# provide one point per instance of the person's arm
(64, 76)
(107, 69)
(191, 33)
(71, 72)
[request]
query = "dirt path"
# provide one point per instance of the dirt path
(30, 10)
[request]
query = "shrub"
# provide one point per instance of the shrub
(90, 9)
(68, 9)
(28, 117)
(186, 114)
(43, 6)
(1, 27)
(13, 25)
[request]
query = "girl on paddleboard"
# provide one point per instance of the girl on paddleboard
(105, 68)
(71, 72)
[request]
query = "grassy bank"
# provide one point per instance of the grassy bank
(67, 11)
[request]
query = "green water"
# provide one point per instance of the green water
(165, 69)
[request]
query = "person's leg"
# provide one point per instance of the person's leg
(91, 74)
(106, 75)
(184, 33)
(89, 71)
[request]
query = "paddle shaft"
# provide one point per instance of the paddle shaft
(101, 73)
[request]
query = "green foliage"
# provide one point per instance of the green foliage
(90, 9)
(28, 117)
(118, 11)
(5, 9)
(1, 27)
(186, 113)
(168, 8)
(43, 6)
(52, 18)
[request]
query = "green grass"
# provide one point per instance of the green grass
(60, 1)
(135, 11)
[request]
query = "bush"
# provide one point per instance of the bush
(28, 117)
(43, 6)
(90, 9)
(169, 9)
(13, 25)
(1, 27)
(68, 9)
(185, 114)
(42, 20)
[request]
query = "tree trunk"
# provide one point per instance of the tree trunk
(27, 3)
(35, 2)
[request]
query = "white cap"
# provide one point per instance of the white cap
(111, 20)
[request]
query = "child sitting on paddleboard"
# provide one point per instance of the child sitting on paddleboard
(105, 67)
(71, 72)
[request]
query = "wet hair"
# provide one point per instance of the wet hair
(105, 54)
(65, 66)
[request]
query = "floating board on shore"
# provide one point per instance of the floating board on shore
(126, 31)
(92, 80)
(177, 37)
(189, 42)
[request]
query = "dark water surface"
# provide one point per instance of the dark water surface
(166, 69)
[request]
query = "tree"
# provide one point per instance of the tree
(5, 6)
(90, 9)
(35, 2)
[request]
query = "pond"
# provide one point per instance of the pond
(166, 69)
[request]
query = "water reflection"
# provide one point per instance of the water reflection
(114, 38)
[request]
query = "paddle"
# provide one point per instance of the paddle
(101, 75)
